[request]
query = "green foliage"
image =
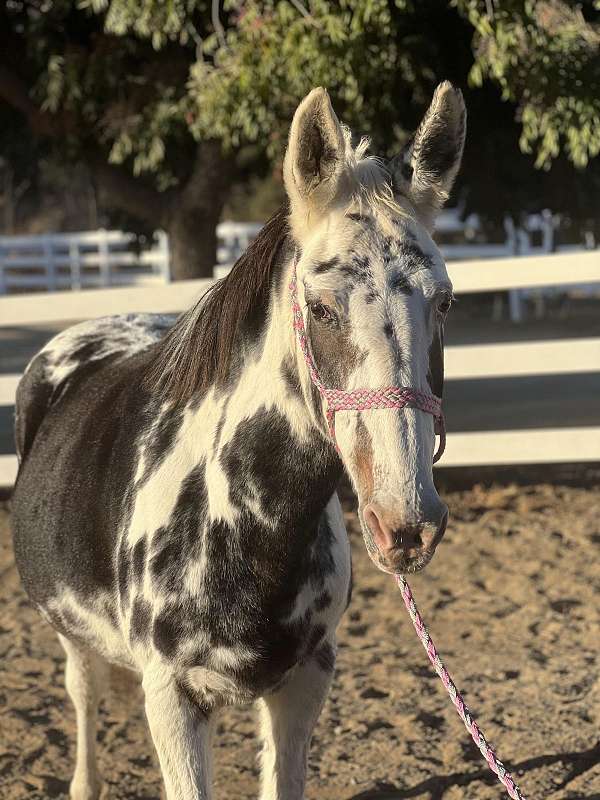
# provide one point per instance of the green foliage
(545, 56)
(246, 88)
(140, 82)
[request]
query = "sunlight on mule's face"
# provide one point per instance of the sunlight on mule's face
(375, 293)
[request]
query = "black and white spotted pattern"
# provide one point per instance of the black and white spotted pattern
(195, 536)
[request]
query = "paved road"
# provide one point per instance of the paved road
(552, 401)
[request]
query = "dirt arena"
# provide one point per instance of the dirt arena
(513, 601)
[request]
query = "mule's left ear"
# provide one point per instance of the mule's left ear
(425, 171)
(315, 156)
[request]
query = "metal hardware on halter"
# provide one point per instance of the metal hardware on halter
(364, 399)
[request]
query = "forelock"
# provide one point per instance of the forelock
(370, 181)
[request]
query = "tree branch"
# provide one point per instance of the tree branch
(14, 92)
(219, 30)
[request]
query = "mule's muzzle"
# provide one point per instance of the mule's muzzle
(403, 548)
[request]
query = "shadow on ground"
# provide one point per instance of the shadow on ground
(575, 764)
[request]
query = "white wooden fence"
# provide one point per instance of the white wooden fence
(233, 238)
(91, 259)
(81, 260)
(576, 444)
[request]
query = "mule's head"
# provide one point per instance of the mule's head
(374, 294)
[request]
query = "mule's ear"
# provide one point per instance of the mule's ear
(425, 171)
(314, 160)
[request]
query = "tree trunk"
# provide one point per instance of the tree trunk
(193, 240)
(189, 213)
(194, 213)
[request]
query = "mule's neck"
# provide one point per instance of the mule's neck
(270, 444)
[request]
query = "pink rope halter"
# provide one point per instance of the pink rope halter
(364, 399)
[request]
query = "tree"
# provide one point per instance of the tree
(530, 72)
(119, 105)
(167, 102)
(545, 56)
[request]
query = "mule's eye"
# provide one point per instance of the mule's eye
(323, 314)
(444, 303)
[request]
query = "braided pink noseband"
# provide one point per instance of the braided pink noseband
(364, 399)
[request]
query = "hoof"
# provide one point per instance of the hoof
(84, 790)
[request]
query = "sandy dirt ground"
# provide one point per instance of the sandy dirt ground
(513, 601)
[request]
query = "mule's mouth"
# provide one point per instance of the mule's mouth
(397, 562)
(403, 565)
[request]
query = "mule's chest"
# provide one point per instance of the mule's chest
(270, 648)
(240, 631)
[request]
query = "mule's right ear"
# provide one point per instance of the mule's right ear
(315, 157)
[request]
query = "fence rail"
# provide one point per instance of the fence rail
(563, 269)
(103, 258)
(80, 260)
(463, 362)
(472, 362)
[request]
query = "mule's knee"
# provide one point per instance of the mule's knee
(182, 734)
(288, 717)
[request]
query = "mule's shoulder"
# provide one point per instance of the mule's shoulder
(68, 353)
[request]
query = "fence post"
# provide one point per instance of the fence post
(515, 303)
(3, 286)
(103, 257)
(75, 264)
(164, 264)
(522, 245)
(49, 263)
(547, 231)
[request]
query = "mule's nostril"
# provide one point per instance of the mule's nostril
(382, 534)
(432, 533)
(409, 537)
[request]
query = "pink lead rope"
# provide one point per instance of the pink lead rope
(402, 397)
(493, 761)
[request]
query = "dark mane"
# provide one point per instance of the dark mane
(198, 349)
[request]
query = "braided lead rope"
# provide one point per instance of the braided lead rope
(364, 399)
(493, 761)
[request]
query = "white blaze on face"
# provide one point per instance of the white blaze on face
(392, 318)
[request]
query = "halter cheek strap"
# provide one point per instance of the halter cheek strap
(364, 399)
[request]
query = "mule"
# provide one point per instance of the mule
(175, 510)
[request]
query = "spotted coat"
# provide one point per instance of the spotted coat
(175, 509)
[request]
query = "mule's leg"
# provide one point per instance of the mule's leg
(182, 736)
(85, 677)
(288, 717)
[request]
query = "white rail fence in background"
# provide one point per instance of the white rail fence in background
(81, 260)
(233, 238)
(92, 259)
(577, 444)
(113, 258)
